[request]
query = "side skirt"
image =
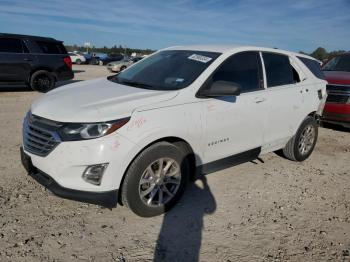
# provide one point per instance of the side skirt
(229, 161)
(13, 84)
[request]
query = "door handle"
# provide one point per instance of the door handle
(259, 100)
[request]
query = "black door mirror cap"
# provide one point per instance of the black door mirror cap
(222, 88)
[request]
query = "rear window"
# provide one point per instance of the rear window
(279, 71)
(313, 66)
(11, 45)
(51, 47)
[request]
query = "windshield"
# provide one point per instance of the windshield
(338, 63)
(166, 70)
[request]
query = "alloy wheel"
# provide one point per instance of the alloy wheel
(306, 140)
(160, 182)
(42, 82)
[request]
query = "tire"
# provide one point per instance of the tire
(301, 145)
(42, 81)
(143, 190)
(100, 63)
(78, 62)
(122, 68)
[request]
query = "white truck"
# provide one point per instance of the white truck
(137, 137)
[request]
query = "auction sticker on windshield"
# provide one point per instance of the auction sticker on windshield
(200, 58)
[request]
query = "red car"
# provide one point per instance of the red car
(337, 73)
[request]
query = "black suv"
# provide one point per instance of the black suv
(32, 60)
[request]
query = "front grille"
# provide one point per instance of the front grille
(338, 88)
(39, 135)
(338, 94)
(341, 99)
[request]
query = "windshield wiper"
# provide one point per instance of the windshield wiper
(136, 84)
(116, 79)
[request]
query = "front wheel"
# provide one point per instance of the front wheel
(301, 145)
(155, 180)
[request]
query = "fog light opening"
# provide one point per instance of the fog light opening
(93, 174)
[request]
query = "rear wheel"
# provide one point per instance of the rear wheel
(42, 81)
(155, 180)
(301, 145)
(122, 68)
(78, 62)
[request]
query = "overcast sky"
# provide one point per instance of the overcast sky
(287, 24)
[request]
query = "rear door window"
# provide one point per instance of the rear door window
(313, 66)
(278, 69)
(243, 69)
(51, 47)
(11, 45)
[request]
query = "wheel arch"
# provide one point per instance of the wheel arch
(45, 68)
(312, 114)
(180, 142)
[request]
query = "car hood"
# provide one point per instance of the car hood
(96, 100)
(337, 77)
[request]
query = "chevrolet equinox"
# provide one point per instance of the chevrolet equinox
(139, 136)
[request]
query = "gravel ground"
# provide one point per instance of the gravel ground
(266, 210)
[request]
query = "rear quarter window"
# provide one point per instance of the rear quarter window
(51, 47)
(313, 66)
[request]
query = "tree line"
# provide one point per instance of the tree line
(109, 50)
(322, 54)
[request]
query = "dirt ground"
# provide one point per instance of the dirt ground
(268, 210)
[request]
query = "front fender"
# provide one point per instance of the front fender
(144, 128)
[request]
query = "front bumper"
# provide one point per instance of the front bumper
(337, 112)
(107, 199)
(113, 69)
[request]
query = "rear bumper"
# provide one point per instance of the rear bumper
(107, 199)
(65, 75)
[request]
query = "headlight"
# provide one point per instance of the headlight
(75, 131)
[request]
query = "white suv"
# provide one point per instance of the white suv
(137, 137)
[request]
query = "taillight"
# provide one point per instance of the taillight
(68, 61)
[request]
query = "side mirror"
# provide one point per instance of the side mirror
(222, 88)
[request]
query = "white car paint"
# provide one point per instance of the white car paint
(77, 58)
(267, 118)
(119, 65)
